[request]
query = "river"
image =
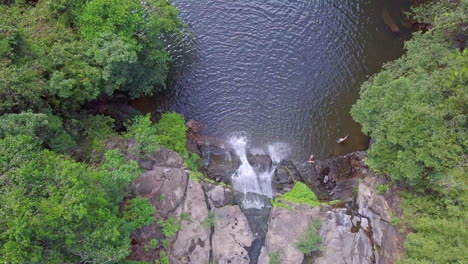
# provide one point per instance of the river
(281, 71)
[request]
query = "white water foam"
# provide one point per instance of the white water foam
(250, 183)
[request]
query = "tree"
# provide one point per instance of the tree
(416, 111)
(55, 210)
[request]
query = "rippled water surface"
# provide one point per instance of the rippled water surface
(281, 70)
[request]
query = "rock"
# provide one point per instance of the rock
(192, 244)
(260, 163)
(377, 213)
(284, 230)
(165, 183)
(219, 164)
(231, 236)
(165, 157)
(340, 243)
(285, 175)
(339, 175)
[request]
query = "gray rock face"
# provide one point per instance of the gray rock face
(341, 244)
(231, 236)
(165, 183)
(193, 240)
(284, 229)
(378, 212)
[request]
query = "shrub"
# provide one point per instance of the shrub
(163, 259)
(144, 132)
(165, 243)
(210, 220)
(171, 131)
(275, 258)
(139, 212)
(382, 189)
(46, 129)
(300, 194)
(170, 227)
(153, 243)
(439, 224)
(310, 240)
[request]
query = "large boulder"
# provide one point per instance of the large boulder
(192, 244)
(165, 183)
(284, 229)
(285, 175)
(342, 241)
(219, 164)
(260, 163)
(232, 235)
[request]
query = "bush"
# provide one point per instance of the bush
(144, 132)
(310, 240)
(439, 224)
(139, 212)
(70, 205)
(275, 258)
(171, 131)
(210, 220)
(45, 129)
(300, 194)
(170, 227)
(382, 189)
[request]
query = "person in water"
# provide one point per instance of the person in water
(340, 140)
(311, 159)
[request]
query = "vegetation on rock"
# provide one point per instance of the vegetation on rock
(300, 194)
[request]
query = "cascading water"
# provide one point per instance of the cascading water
(253, 183)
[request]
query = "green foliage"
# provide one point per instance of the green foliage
(300, 194)
(144, 132)
(163, 258)
(210, 220)
(439, 224)
(170, 227)
(310, 240)
(185, 216)
(192, 161)
(153, 243)
(172, 133)
(119, 174)
(139, 212)
(416, 110)
(382, 188)
(165, 243)
(275, 258)
(130, 32)
(45, 129)
(47, 198)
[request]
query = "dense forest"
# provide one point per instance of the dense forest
(62, 187)
(416, 110)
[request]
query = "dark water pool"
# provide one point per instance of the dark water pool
(282, 70)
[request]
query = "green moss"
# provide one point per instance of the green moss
(300, 194)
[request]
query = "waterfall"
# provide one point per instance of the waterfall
(254, 184)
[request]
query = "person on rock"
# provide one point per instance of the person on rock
(311, 159)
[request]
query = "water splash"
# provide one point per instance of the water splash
(252, 183)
